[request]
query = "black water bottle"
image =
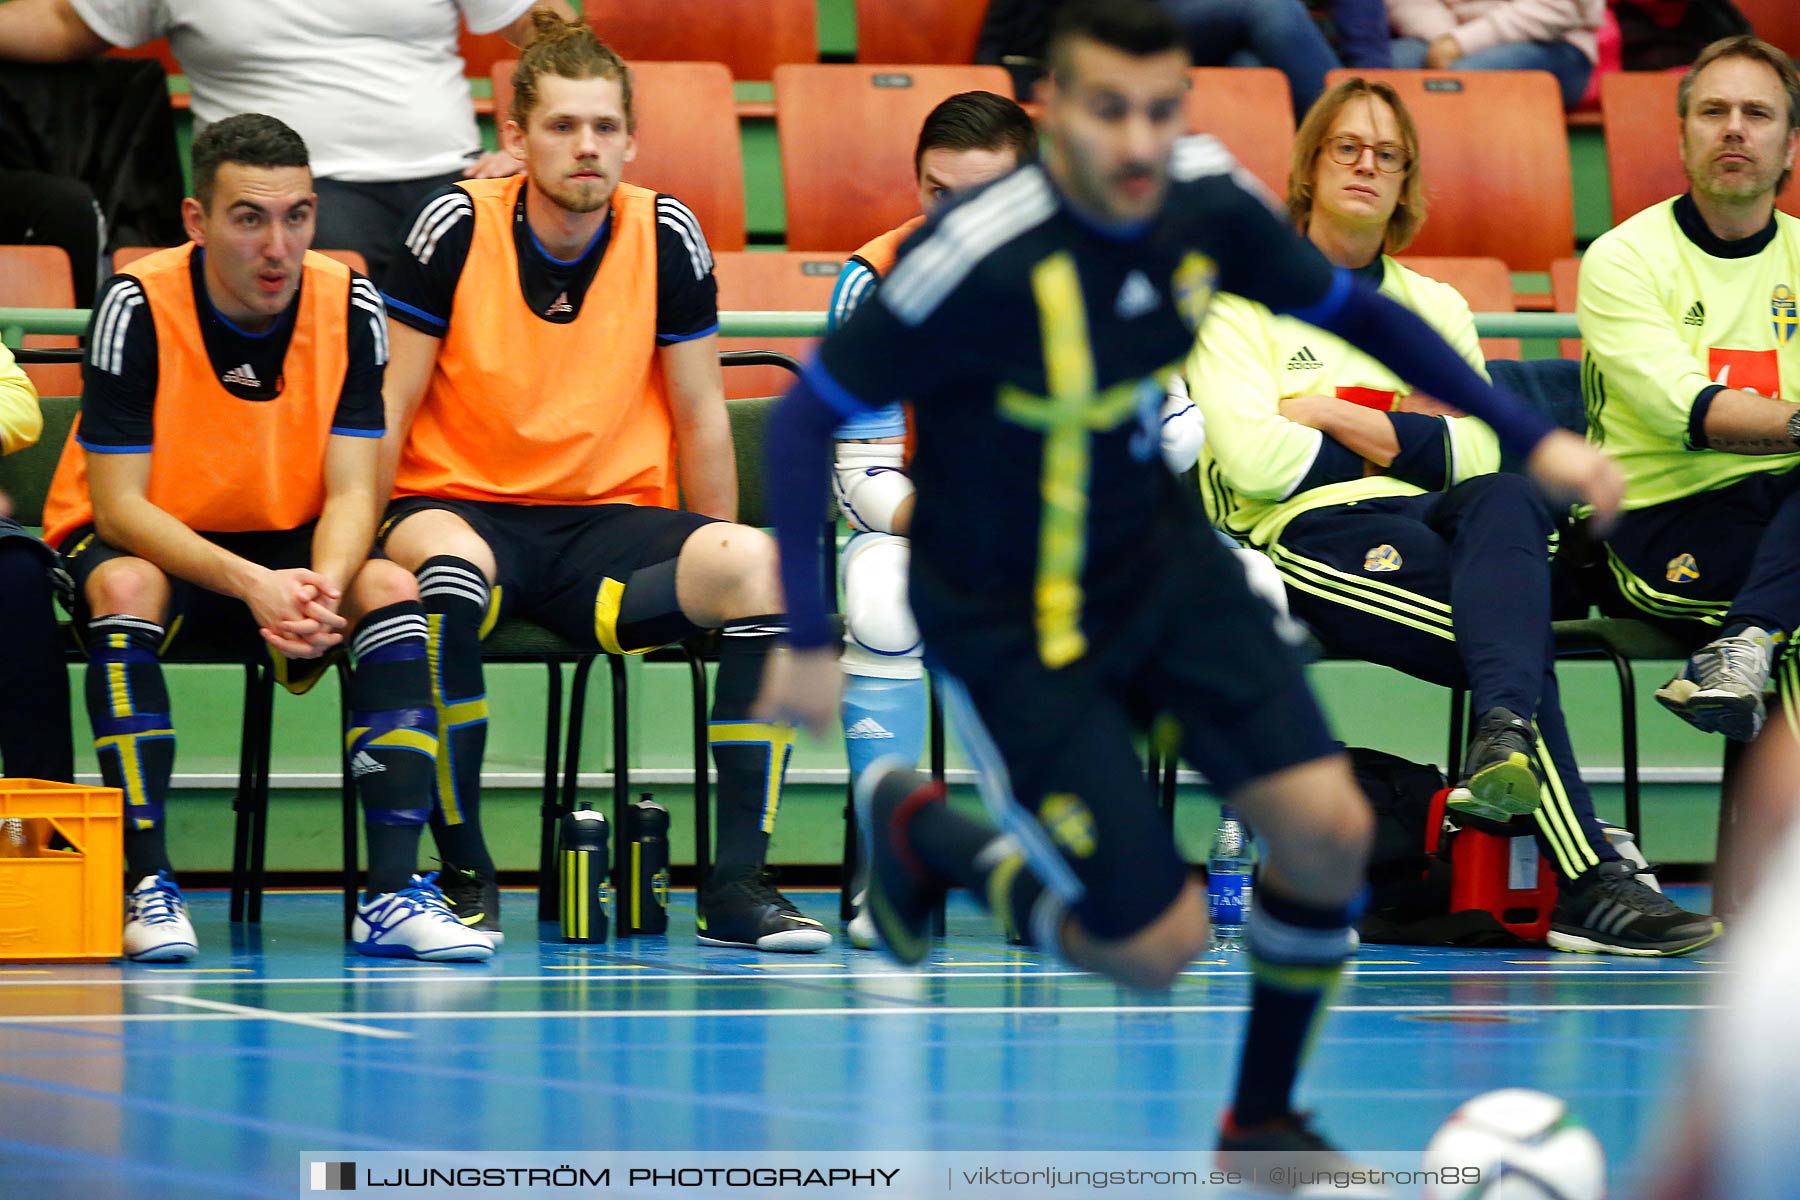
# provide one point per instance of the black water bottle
(649, 885)
(585, 864)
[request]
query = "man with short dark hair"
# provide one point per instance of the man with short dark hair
(1067, 588)
(223, 477)
(1692, 370)
(968, 140)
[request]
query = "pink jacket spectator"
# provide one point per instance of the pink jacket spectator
(1482, 24)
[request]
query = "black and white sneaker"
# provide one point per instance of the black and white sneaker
(1610, 910)
(901, 897)
(473, 897)
(749, 913)
(1720, 690)
(1499, 781)
(157, 928)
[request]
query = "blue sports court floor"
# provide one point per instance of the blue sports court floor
(209, 1080)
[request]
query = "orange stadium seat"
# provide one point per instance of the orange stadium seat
(847, 136)
(1565, 276)
(1776, 21)
(1484, 282)
(793, 281)
(1643, 139)
(1496, 152)
(480, 51)
(752, 37)
(918, 31)
(39, 277)
(124, 256)
(1249, 109)
(687, 135)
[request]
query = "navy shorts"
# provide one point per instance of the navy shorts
(1683, 564)
(1055, 747)
(567, 566)
(203, 620)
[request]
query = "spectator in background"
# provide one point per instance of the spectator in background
(34, 684)
(1361, 32)
(1269, 33)
(1273, 33)
(40, 209)
(1558, 36)
(375, 90)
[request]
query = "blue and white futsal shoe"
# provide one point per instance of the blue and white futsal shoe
(157, 928)
(1720, 690)
(415, 922)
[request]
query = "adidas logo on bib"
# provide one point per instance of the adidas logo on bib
(244, 376)
(561, 307)
(866, 728)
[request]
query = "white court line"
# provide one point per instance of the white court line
(338, 1020)
(463, 977)
(268, 1014)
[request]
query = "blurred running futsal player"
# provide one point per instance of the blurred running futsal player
(1066, 586)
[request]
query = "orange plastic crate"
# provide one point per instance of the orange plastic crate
(63, 905)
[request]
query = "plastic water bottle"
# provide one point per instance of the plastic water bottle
(648, 900)
(1228, 886)
(585, 864)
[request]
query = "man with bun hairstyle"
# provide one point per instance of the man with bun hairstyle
(554, 395)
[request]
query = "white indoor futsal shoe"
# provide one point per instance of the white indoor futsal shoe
(415, 922)
(861, 929)
(157, 928)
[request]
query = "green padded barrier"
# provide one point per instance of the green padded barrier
(15, 323)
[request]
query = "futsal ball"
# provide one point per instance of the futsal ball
(1525, 1145)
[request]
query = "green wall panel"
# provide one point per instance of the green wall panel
(1367, 705)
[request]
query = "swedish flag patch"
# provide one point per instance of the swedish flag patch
(1382, 559)
(1682, 569)
(1782, 314)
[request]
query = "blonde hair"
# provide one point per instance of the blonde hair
(567, 50)
(1409, 213)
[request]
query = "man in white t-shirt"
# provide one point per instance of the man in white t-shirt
(376, 90)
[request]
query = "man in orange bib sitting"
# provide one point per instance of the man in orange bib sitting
(554, 394)
(223, 479)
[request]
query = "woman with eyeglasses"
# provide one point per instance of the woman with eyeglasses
(1398, 541)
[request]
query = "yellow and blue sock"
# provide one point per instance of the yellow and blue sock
(458, 604)
(392, 739)
(751, 756)
(134, 735)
